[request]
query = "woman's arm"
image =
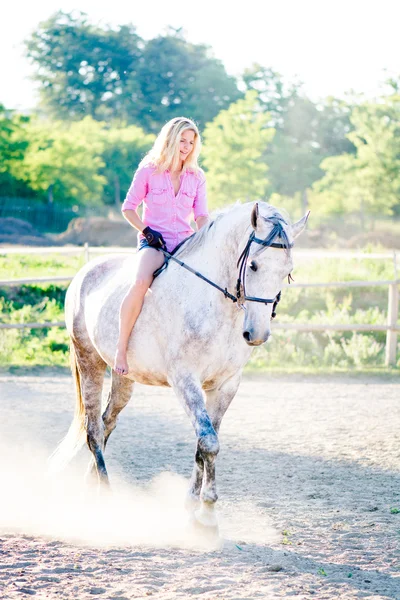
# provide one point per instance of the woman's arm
(200, 204)
(136, 193)
(201, 221)
(153, 237)
(133, 218)
(135, 196)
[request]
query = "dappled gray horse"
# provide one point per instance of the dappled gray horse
(189, 335)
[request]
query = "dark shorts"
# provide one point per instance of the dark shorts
(143, 244)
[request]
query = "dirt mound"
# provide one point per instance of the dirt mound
(18, 231)
(347, 237)
(102, 231)
(388, 240)
(97, 231)
(313, 238)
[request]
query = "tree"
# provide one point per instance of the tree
(85, 162)
(306, 132)
(309, 134)
(63, 158)
(84, 69)
(124, 147)
(113, 74)
(369, 181)
(273, 95)
(333, 126)
(177, 77)
(234, 143)
(12, 150)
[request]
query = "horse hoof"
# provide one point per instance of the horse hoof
(209, 531)
(192, 504)
(206, 533)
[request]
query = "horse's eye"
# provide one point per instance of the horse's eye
(253, 266)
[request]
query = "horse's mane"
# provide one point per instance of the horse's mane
(272, 215)
(198, 239)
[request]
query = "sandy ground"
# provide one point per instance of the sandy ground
(308, 478)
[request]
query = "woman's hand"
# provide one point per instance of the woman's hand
(154, 238)
(201, 221)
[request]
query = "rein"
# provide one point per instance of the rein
(169, 257)
(241, 264)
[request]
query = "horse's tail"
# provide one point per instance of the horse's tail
(76, 435)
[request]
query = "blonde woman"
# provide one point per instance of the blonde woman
(172, 187)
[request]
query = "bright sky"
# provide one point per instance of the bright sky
(333, 46)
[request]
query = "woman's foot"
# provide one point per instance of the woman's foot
(120, 363)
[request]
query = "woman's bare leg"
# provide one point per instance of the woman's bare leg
(148, 260)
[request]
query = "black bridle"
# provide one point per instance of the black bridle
(241, 297)
(242, 263)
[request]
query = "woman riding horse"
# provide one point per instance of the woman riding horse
(171, 186)
(194, 334)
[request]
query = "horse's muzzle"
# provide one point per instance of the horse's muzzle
(252, 340)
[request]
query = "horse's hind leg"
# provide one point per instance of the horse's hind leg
(202, 483)
(118, 398)
(90, 369)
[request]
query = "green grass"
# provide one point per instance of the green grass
(287, 351)
(34, 303)
(29, 347)
(17, 266)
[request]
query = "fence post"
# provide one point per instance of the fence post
(391, 335)
(86, 251)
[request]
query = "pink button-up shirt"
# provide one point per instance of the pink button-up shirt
(162, 210)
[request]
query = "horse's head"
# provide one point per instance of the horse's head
(265, 268)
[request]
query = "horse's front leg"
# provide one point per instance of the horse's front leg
(188, 389)
(218, 400)
(206, 419)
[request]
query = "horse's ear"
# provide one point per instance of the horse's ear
(254, 216)
(298, 227)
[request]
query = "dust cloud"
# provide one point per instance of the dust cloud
(66, 507)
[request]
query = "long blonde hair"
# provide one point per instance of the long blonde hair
(165, 151)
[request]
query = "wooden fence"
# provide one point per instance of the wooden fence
(391, 327)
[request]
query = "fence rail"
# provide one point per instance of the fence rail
(85, 248)
(392, 327)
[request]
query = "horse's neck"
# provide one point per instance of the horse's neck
(224, 246)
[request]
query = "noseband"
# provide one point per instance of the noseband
(241, 297)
